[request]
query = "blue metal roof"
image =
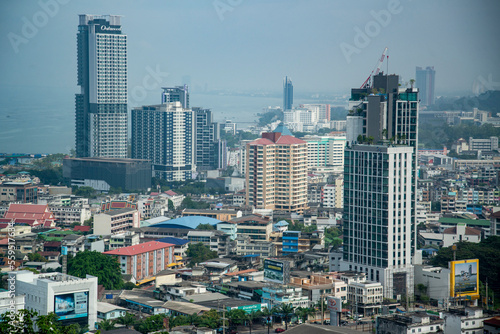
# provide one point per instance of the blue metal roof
(188, 222)
(172, 240)
(281, 128)
(281, 223)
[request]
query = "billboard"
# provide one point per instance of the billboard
(464, 280)
(334, 304)
(71, 305)
(276, 271)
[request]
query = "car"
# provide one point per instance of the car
(343, 323)
(279, 330)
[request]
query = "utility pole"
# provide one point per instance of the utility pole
(223, 320)
(486, 294)
(322, 312)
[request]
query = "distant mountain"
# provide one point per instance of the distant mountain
(488, 101)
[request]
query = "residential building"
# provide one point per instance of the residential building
(245, 246)
(165, 135)
(115, 221)
(215, 240)
(67, 215)
(333, 194)
(125, 239)
(287, 94)
(255, 226)
(223, 215)
(495, 223)
(425, 82)
(74, 243)
(228, 228)
(325, 152)
(144, 260)
(450, 236)
(322, 109)
(211, 151)
(176, 94)
(276, 173)
(415, 322)
(53, 292)
(317, 286)
(107, 311)
(101, 106)
(104, 173)
(491, 326)
(464, 320)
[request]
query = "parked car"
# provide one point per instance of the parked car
(279, 330)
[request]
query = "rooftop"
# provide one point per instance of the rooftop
(139, 249)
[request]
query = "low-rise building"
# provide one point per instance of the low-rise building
(436, 281)
(125, 239)
(366, 296)
(316, 286)
(277, 295)
(108, 311)
(116, 221)
(464, 320)
(215, 240)
(418, 322)
(257, 227)
(144, 260)
(246, 246)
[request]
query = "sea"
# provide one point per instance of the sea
(42, 120)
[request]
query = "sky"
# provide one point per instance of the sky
(230, 47)
(243, 45)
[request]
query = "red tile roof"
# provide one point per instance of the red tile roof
(4, 241)
(139, 249)
(261, 141)
(289, 140)
(171, 193)
(52, 244)
(28, 208)
(82, 228)
(31, 214)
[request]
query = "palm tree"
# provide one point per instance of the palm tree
(250, 317)
(128, 320)
(320, 308)
(267, 313)
(107, 325)
(304, 312)
(286, 310)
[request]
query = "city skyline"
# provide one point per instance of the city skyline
(240, 57)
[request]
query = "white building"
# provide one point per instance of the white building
(72, 298)
(378, 221)
(115, 221)
(450, 236)
(436, 280)
(325, 151)
(8, 304)
(468, 320)
(333, 194)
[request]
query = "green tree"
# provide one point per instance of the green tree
(36, 257)
(304, 313)
(235, 317)
(151, 324)
(199, 253)
(106, 268)
(205, 227)
(128, 320)
(333, 236)
(87, 192)
(107, 325)
(129, 286)
(287, 310)
(171, 207)
(188, 203)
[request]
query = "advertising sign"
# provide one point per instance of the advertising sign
(334, 304)
(464, 280)
(71, 305)
(274, 271)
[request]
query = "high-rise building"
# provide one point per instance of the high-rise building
(380, 184)
(176, 94)
(276, 173)
(101, 106)
(211, 151)
(287, 94)
(164, 134)
(425, 79)
(325, 151)
(323, 110)
(378, 215)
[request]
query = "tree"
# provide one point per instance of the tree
(322, 308)
(87, 192)
(236, 317)
(205, 227)
(151, 324)
(171, 207)
(107, 325)
(106, 268)
(188, 203)
(129, 286)
(199, 253)
(250, 317)
(287, 310)
(128, 320)
(36, 257)
(23, 322)
(304, 312)
(333, 236)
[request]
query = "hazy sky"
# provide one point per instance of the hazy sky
(250, 45)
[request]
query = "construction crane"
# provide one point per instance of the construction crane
(368, 81)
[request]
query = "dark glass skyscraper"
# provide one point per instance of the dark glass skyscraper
(176, 94)
(287, 94)
(425, 83)
(101, 106)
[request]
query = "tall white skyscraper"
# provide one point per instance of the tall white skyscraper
(101, 106)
